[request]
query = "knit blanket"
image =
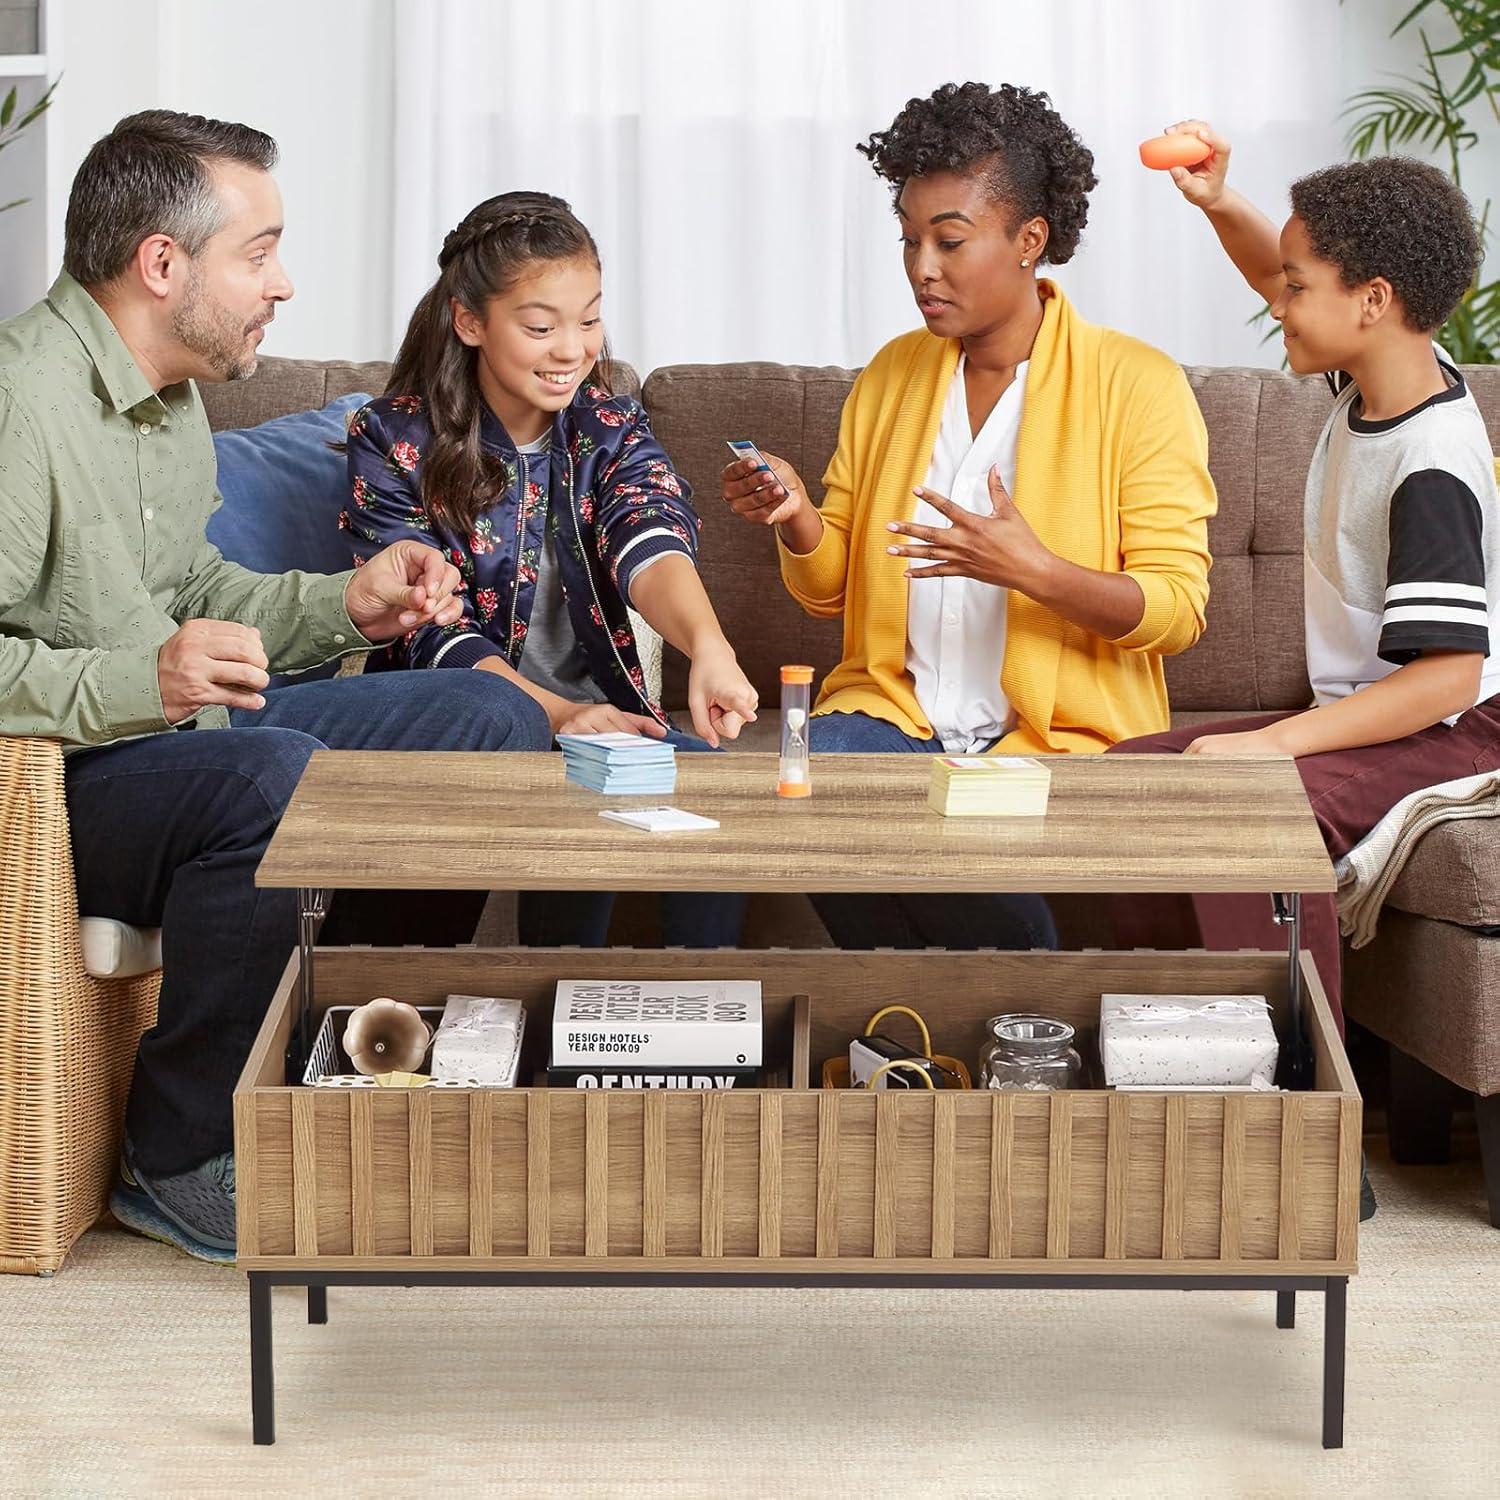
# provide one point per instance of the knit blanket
(1369, 870)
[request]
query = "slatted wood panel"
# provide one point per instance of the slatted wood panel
(768, 1202)
(596, 1169)
(1089, 1178)
(419, 1145)
(711, 1201)
(481, 1173)
(362, 1172)
(555, 1177)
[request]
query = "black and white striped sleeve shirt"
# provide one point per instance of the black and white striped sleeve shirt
(1402, 542)
(1435, 598)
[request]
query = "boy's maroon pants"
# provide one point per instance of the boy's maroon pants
(1350, 792)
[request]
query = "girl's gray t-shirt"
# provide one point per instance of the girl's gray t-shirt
(552, 657)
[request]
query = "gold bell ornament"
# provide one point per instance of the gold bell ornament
(386, 1036)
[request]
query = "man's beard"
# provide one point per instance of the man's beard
(205, 326)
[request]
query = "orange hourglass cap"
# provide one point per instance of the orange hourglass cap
(796, 674)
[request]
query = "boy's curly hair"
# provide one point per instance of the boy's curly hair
(1399, 218)
(1034, 162)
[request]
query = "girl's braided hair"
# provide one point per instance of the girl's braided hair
(490, 249)
(1033, 161)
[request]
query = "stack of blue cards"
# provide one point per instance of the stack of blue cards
(619, 763)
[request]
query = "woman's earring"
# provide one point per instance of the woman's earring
(1024, 264)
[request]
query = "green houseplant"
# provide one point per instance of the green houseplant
(11, 129)
(1441, 110)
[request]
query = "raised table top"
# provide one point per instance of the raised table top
(452, 821)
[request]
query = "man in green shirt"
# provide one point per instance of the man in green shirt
(121, 627)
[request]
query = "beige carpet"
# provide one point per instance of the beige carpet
(128, 1375)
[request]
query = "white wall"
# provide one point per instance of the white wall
(316, 76)
(319, 77)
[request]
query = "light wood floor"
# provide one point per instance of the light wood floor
(128, 1375)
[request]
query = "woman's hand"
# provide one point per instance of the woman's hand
(599, 718)
(1000, 548)
(1202, 185)
(720, 697)
(1251, 742)
(767, 499)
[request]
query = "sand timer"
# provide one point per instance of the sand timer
(796, 704)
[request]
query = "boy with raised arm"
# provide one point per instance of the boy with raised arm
(1402, 521)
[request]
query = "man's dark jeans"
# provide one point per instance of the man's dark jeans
(168, 831)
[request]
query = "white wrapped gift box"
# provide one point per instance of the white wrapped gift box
(1185, 1041)
(479, 1041)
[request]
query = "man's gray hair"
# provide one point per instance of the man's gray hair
(150, 175)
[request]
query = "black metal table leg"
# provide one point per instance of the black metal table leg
(1334, 1288)
(1286, 1309)
(312, 907)
(1286, 911)
(262, 1374)
(1335, 1307)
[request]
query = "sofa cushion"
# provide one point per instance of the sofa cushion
(283, 489)
(792, 411)
(115, 950)
(1433, 990)
(1453, 875)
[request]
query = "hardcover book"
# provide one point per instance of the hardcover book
(651, 1078)
(704, 1026)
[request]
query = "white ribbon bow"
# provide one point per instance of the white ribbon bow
(1155, 1012)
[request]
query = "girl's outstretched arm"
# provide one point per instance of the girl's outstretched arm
(671, 597)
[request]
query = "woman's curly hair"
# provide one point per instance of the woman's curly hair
(1033, 160)
(1399, 218)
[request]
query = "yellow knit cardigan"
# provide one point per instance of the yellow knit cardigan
(1112, 474)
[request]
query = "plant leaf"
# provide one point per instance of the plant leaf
(1410, 16)
(1394, 117)
(1430, 112)
(9, 107)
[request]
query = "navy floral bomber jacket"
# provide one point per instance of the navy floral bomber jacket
(615, 500)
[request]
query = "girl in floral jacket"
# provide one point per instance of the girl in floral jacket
(499, 442)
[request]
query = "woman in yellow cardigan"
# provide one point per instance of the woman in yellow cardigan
(1014, 525)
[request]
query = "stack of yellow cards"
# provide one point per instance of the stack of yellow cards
(989, 786)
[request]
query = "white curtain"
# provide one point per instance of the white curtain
(709, 146)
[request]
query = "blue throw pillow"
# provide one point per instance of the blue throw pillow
(283, 489)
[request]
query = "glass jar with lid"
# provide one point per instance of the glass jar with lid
(1029, 1052)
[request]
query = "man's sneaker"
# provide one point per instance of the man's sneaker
(192, 1210)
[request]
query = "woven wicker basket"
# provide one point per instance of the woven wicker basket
(67, 1040)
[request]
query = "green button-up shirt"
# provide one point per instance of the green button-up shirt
(105, 488)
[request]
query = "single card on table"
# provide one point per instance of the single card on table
(660, 819)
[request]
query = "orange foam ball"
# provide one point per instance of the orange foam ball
(1162, 152)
